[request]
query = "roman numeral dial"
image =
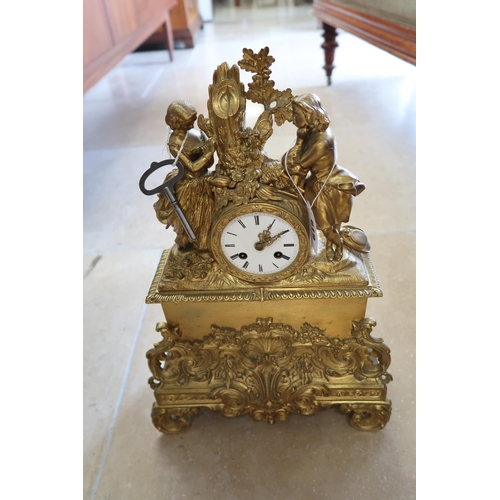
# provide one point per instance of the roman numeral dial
(259, 243)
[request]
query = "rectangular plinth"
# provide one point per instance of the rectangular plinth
(329, 301)
(335, 316)
(268, 351)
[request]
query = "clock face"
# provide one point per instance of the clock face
(260, 243)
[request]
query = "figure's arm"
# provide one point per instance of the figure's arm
(294, 154)
(292, 157)
(317, 151)
(202, 161)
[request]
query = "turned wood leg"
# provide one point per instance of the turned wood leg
(329, 45)
(169, 36)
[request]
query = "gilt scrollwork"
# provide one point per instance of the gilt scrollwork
(188, 276)
(173, 420)
(377, 351)
(158, 355)
(268, 370)
(367, 416)
(188, 266)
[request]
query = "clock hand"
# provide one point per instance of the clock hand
(263, 237)
(266, 240)
(274, 238)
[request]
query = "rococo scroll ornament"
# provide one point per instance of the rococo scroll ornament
(269, 369)
(247, 250)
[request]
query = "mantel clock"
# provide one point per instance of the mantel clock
(260, 242)
(264, 292)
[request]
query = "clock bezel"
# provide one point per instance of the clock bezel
(228, 215)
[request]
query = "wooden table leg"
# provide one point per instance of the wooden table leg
(329, 45)
(169, 36)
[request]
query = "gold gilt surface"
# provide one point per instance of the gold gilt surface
(243, 343)
(289, 210)
(330, 294)
(189, 276)
(269, 370)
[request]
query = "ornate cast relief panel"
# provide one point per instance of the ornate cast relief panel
(265, 290)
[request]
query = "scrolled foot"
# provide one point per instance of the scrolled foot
(368, 416)
(173, 420)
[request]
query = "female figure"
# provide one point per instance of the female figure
(193, 191)
(312, 163)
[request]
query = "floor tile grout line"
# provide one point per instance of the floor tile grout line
(119, 400)
(152, 82)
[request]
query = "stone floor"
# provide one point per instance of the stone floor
(371, 104)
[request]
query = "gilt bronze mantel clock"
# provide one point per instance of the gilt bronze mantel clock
(265, 290)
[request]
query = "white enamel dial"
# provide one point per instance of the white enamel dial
(260, 243)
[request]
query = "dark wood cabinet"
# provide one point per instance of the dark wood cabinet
(114, 28)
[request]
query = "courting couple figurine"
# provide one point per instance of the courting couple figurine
(311, 163)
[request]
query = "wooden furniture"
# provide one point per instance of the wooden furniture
(378, 27)
(186, 21)
(114, 28)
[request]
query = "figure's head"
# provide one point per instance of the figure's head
(307, 110)
(180, 115)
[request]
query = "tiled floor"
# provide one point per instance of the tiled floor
(372, 107)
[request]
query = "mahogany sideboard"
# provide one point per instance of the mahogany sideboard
(114, 28)
(387, 24)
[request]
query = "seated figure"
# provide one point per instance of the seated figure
(193, 191)
(312, 164)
